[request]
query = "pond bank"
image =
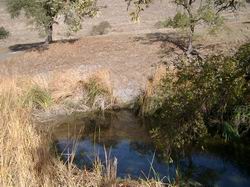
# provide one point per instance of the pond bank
(124, 136)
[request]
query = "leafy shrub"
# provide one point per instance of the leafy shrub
(243, 56)
(3, 33)
(206, 92)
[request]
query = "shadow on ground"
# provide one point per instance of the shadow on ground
(173, 37)
(40, 46)
(170, 43)
(174, 43)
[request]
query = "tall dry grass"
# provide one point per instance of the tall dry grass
(26, 157)
(148, 101)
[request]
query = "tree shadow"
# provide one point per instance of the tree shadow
(170, 43)
(39, 46)
(173, 38)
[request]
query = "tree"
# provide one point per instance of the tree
(191, 14)
(45, 12)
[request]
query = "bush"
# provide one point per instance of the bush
(210, 90)
(3, 33)
(101, 29)
(243, 56)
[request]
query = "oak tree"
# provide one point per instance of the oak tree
(44, 13)
(190, 14)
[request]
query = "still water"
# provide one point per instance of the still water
(128, 138)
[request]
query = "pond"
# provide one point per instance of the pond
(129, 139)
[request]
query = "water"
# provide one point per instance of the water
(128, 139)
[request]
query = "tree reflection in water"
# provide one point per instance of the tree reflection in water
(135, 142)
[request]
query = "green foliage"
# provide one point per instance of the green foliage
(76, 10)
(44, 12)
(192, 14)
(229, 132)
(3, 33)
(206, 13)
(244, 58)
(212, 92)
(37, 98)
(241, 119)
(180, 20)
(139, 6)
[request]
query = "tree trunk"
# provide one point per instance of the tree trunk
(49, 38)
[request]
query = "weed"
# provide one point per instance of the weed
(96, 93)
(151, 100)
(38, 98)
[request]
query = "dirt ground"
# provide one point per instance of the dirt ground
(113, 11)
(128, 61)
(129, 53)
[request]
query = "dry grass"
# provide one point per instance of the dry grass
(65, 92)
(82, 92)
(147, 101)
(64, 84)
(26, 158)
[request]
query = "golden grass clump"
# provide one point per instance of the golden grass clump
(98, 91)
(66, 83)
(148, 101)
(26, 158)
(82, 92)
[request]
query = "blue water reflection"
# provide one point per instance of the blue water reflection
(131, 145)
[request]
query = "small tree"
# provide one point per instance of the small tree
(45, 12)
(3, 33)
(190, 14)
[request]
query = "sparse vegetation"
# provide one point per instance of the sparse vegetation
(96, 92)
(101, 28)
(3, 33)
(38, 98)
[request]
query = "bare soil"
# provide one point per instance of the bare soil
(128, 61)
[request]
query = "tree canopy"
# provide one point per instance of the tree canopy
(45, 12)
(191, 13)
